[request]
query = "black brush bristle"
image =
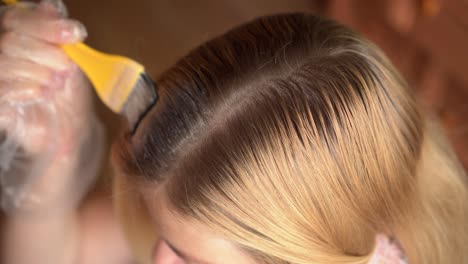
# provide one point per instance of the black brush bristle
(142, 98)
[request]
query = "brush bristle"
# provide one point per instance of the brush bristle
(140, 101)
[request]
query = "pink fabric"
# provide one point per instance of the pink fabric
(387, 251)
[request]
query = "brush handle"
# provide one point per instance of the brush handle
(112, 76)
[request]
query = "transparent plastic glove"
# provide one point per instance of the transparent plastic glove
(50, 138)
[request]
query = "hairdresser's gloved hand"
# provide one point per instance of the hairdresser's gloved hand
(50, 141)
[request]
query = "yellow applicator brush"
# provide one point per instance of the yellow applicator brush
(120, 82)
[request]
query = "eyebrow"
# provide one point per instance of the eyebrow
(184, 256)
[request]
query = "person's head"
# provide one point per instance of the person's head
(290, 139)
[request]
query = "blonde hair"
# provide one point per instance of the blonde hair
(296, 139)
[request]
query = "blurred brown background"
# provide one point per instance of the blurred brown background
(426, 39)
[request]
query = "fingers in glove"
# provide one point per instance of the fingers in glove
(12, 69)
(21, 92)
(43, 23)
(54, 7)
(28, 48)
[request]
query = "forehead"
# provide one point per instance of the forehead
(189, 236)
